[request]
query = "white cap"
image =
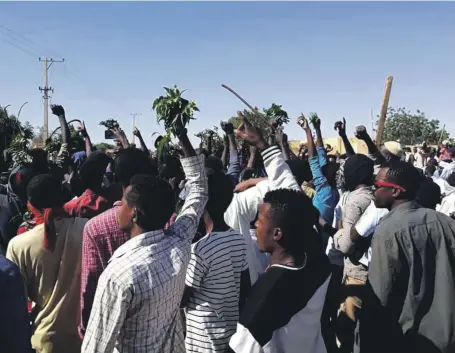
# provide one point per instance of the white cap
(394, 148)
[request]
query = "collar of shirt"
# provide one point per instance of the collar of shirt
(148, 238)
(410, 205)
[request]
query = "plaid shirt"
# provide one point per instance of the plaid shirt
(137, 302)
(102, 236)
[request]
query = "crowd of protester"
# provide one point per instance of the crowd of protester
(226, 251)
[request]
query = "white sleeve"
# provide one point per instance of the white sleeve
(278, 172)
(369, 220)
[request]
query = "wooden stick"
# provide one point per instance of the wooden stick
(243, 101)
(383, 114)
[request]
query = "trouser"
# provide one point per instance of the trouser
(330, 311)
(348, 314)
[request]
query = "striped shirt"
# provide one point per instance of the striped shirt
(214, 272)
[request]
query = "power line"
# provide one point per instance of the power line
(35, 49)
(19, 37)
(27, 51)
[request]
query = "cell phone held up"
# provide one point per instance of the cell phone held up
(109, 135)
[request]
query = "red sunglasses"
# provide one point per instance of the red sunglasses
(385, 184)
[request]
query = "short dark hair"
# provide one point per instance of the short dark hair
(153, 199)
(405, 175)
(329, 170)
(45, 191)
(93, 170)
(293, 212)
(429, 194)
(213, 164)
(129, 162)
(221, 192)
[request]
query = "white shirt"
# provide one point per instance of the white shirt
(214, 272)
(447, 205)
(448, 169)
(137, 301)
(419, 160)
(245, 205)
(335, 256)
(367, 225)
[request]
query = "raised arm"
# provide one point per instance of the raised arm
(225, 154)
(120, 135)
(58, 111)
(144, 148)
(244, 205)
(320, 149)
(319, 180)
(362, 134)
(193, 166)
(340, 126)
(88, 142)
(234, 161)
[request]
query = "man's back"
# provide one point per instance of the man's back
(214, 273)
(52, 280)
(102, 237)
(15, 331)
(412, 275)
(145, 277)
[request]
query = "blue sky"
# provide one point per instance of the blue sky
(332, 58)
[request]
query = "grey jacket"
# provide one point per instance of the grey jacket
(356, 204)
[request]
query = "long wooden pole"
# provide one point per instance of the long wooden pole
(383, 114)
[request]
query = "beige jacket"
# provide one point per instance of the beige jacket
(52, 282)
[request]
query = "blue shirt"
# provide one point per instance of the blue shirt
(326, 197)
(15, 329)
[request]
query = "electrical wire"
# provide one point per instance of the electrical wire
(25, 41)
(28, 46)
(27, 51)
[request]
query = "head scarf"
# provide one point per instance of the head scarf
(45, 196)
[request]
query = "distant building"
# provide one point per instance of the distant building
(336, 143)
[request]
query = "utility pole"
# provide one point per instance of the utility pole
(134, 123)
(47, 64)
(373, 130)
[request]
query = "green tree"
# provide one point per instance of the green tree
(412, 128)
(10, 126)
(103, 146)
(15, 137)
(217, 140)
